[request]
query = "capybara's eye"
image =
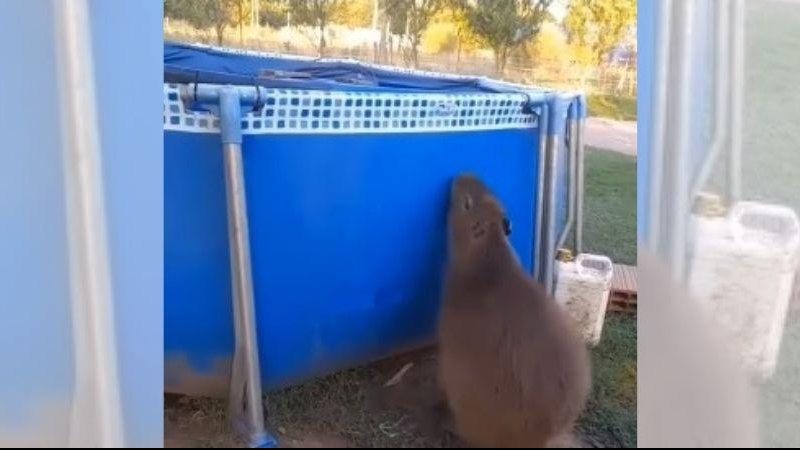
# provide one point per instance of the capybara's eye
(467, 203)
(507, 226)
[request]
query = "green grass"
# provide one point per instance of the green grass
(780, 397)
(610, 205)
(337, 406)
(612, 107)
(610, 229)
(770, 157)
(770, 165)
(610, 417)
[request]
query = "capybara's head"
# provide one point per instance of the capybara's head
(476, 217)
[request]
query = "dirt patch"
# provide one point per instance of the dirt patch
(196, 422)
(355, 408)
(611, 135)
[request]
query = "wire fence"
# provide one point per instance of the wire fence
(614, 80)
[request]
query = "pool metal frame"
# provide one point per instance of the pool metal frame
(667, 212)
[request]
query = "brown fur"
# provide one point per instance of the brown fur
(514, 372)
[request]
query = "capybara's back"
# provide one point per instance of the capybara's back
(514, 371)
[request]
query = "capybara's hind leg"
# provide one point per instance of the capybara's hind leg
(436, 418)
(445, 416)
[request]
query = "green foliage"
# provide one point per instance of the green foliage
(506, 25)
(599, 25)
(467, 38)
(217, 14)
(420, 13)
(396, 11)
(273, 13)
(449, 31)
(410, 18)
(354, 13)
(549, 45)
(316, 13)
(612, 107)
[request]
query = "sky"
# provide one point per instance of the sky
(558, 9)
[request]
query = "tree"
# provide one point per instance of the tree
(316, 13)
(204, 13)
(355, 13)
(599, 25)
(450, 32)
(505, 25)
(392, 18)
(418, 17)
(240, 14)
(466, 39)
(273, 13)
(410, 18)
(549, 45)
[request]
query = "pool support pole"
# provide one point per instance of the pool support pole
(737, 80)
(555, 131)
(582, 110)
(246, 401)
(575, 178)
(536, 258)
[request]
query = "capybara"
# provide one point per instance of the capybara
(513, 369)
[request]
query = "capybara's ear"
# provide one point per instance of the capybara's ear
(506, 226)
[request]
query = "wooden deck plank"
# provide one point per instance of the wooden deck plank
(624, 278)
(624, 289)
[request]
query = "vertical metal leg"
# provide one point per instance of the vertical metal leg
(536, 257)
(579, 185)
(571, 184)
(246, 359)
(245, 397)
(548, 250)
(659, 120)
(734, 168)
(677, 206)
(722, 71)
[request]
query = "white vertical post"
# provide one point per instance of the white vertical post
(96, 415)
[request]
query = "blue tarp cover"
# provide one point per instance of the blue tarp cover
(189, 64)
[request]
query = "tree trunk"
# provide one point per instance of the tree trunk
(255, 11)
(458, 50)
(415, 51)
(500, 58)
(382, 46)
(220, 29)
(321, 47)
(623, 78)
(241, 23)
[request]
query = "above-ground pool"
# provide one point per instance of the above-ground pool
(347, 170)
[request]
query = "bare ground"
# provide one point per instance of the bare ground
(614, 135)
(354, 408)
